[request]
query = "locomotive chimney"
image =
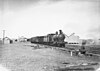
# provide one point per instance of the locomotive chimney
(56, 32)
(60, 31)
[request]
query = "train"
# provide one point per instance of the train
(55, 39)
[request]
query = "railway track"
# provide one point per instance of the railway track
(66, 49)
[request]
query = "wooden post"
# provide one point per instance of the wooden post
(71, 53)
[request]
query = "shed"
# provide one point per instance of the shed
(7, 40)
(73, 39)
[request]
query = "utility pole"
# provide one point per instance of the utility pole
(3, 35)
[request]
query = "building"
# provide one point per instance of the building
(22, 39)
(97, 41)
(72, 39)
(7, 40)
(90, 42)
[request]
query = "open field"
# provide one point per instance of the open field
(90, 48)
(94, 49)
(23, 57)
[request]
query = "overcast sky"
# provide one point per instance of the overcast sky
(40, 17)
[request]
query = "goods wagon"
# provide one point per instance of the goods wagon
(38, 39)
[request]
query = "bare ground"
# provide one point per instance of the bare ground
(19, 57)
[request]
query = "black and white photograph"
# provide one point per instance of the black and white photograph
(49, 35)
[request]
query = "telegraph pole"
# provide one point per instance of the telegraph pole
(3, 35)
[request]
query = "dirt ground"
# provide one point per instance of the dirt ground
(23, 57)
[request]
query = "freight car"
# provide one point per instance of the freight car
(50, 39)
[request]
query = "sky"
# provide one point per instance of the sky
(40, 17)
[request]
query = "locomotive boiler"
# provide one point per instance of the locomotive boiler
(58, 39)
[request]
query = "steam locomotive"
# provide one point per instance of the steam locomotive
(50, 39)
